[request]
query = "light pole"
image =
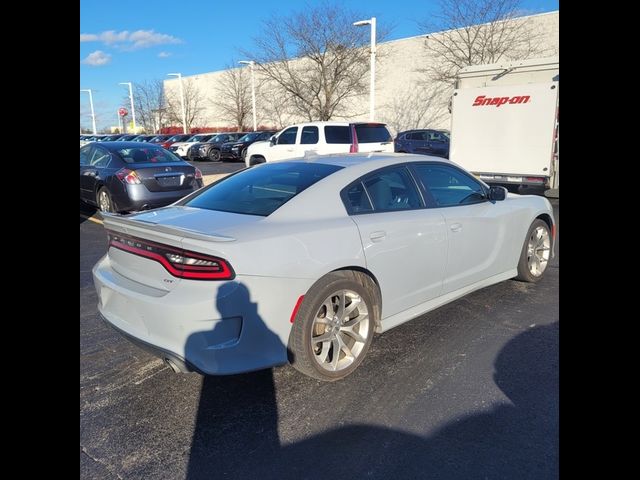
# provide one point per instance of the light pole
(372, 91)
(93, 115)
(184, 112)
(133, 111)
(251, 64)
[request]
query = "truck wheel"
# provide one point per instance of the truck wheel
(333, 328)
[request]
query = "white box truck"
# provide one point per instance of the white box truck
(504, 125)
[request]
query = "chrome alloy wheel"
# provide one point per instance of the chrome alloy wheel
(340, 330)
(103, 201)
(538, 251)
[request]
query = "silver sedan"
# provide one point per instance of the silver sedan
(302, 261)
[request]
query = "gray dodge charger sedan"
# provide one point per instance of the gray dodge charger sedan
(302, 261)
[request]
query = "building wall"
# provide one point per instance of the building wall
(399, 101)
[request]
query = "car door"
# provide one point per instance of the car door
(405, 244)
(477, 229)
(309, 139)
(87, 173)
(285, 146)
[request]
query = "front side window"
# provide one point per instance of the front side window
(85, 154)
(261, 190)
(449, 186)
(392, 189)
(288, 137)
(309, 135)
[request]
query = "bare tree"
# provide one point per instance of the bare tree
(317, 57)
(233, 95)
(150, 104)
(193, 101)
(475, 32)
(416, 107)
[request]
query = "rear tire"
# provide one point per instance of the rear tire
(104, 201)
(342, 310)
(536, 253)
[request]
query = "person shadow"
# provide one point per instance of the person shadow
(237, 417)
(236, 431)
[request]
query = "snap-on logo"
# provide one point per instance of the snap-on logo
(497, 101)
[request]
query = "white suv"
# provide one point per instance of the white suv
(320, 138)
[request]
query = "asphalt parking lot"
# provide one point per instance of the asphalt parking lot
(469, 390)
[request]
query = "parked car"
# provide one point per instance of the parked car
(427, 142)
(236, 150)
(181, 137)
(142, 138)
(311, 257)
(160, 138)
(211, 149)
(182, 148)
(127, 176)
(321, 138)
(127, 138)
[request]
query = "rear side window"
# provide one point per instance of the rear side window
(309, 135)
(261, 190)
(356, 199)
(372, 133)
(337, 134)
(392, 189)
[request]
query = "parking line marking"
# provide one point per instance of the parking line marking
(91, 219)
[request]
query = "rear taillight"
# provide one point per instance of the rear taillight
(354, 140)
(198, 174)
(178, 262)
(534, 179)
(128, 176)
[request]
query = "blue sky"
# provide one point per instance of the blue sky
(125, 41)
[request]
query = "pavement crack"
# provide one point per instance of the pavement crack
(100, 462)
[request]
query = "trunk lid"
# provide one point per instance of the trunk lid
(139, 243)
(166, 176)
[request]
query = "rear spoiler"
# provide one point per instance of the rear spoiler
(120, 223)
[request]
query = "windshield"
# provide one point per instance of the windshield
(261, 190)
(249, 137)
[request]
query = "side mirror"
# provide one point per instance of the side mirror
(497, 193)
(272, 140)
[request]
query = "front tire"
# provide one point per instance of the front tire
(104, 201)
(214, 155)
(334, 326)
(536, 253)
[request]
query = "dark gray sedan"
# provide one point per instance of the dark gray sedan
(127, 176)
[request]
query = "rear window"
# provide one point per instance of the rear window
(372, 133)
(147, 155)
(335, 134)
(261, 190)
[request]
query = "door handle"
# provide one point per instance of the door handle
(455, 227)
(378, 236)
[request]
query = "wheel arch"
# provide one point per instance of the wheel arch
(372, 277)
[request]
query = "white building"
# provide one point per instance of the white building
(400, 101)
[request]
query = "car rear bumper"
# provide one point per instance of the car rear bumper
(138, 197)
(212, 327)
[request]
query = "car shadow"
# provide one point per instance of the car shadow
(236, 432)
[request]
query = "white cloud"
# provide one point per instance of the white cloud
(130, 40)
(164, 54)
(97, 58)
